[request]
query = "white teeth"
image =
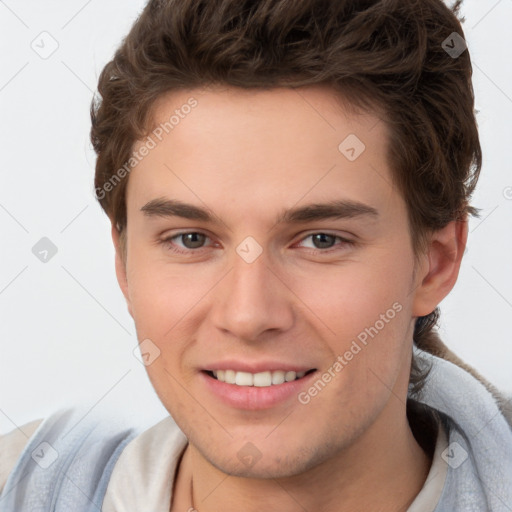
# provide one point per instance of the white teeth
(289, 376)
(277, 377)
(243, 379)
(261, 379)
(229, 376)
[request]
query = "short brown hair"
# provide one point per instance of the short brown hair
(387, 56)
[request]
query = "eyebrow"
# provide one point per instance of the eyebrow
(336, 209)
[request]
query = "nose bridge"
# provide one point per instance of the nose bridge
(253, 299)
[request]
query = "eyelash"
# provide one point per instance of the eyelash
(167, 242)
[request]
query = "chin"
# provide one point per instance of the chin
(249, 462)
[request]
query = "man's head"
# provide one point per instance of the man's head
(249, 110)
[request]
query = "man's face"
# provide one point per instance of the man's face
(250, 292)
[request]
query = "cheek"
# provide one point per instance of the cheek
(162, 295)
(163, 306)
(362, 311)
(159, 305)
(351, 297)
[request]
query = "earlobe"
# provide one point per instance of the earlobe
(120, 266)
(445, 252)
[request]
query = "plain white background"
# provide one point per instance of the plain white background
(66, 336)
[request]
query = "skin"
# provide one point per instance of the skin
(246, 156)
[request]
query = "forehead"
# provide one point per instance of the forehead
(261, 147)
(278, 114)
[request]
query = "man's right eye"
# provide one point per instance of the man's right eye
(191, 241)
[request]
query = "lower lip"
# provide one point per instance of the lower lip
(254, 397)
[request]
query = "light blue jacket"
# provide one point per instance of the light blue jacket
(66, 465)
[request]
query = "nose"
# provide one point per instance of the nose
(253, 300)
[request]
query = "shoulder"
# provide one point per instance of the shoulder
(477, 417)
(11, 446)
(68, 460)
(451, 379)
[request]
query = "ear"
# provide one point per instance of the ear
(121, 267)
(440, 269)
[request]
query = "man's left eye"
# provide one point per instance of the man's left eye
(326, 240)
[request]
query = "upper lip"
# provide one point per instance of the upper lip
(257, 367)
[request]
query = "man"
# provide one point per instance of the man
(288, 185)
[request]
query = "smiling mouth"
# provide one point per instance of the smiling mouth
(261, 379)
